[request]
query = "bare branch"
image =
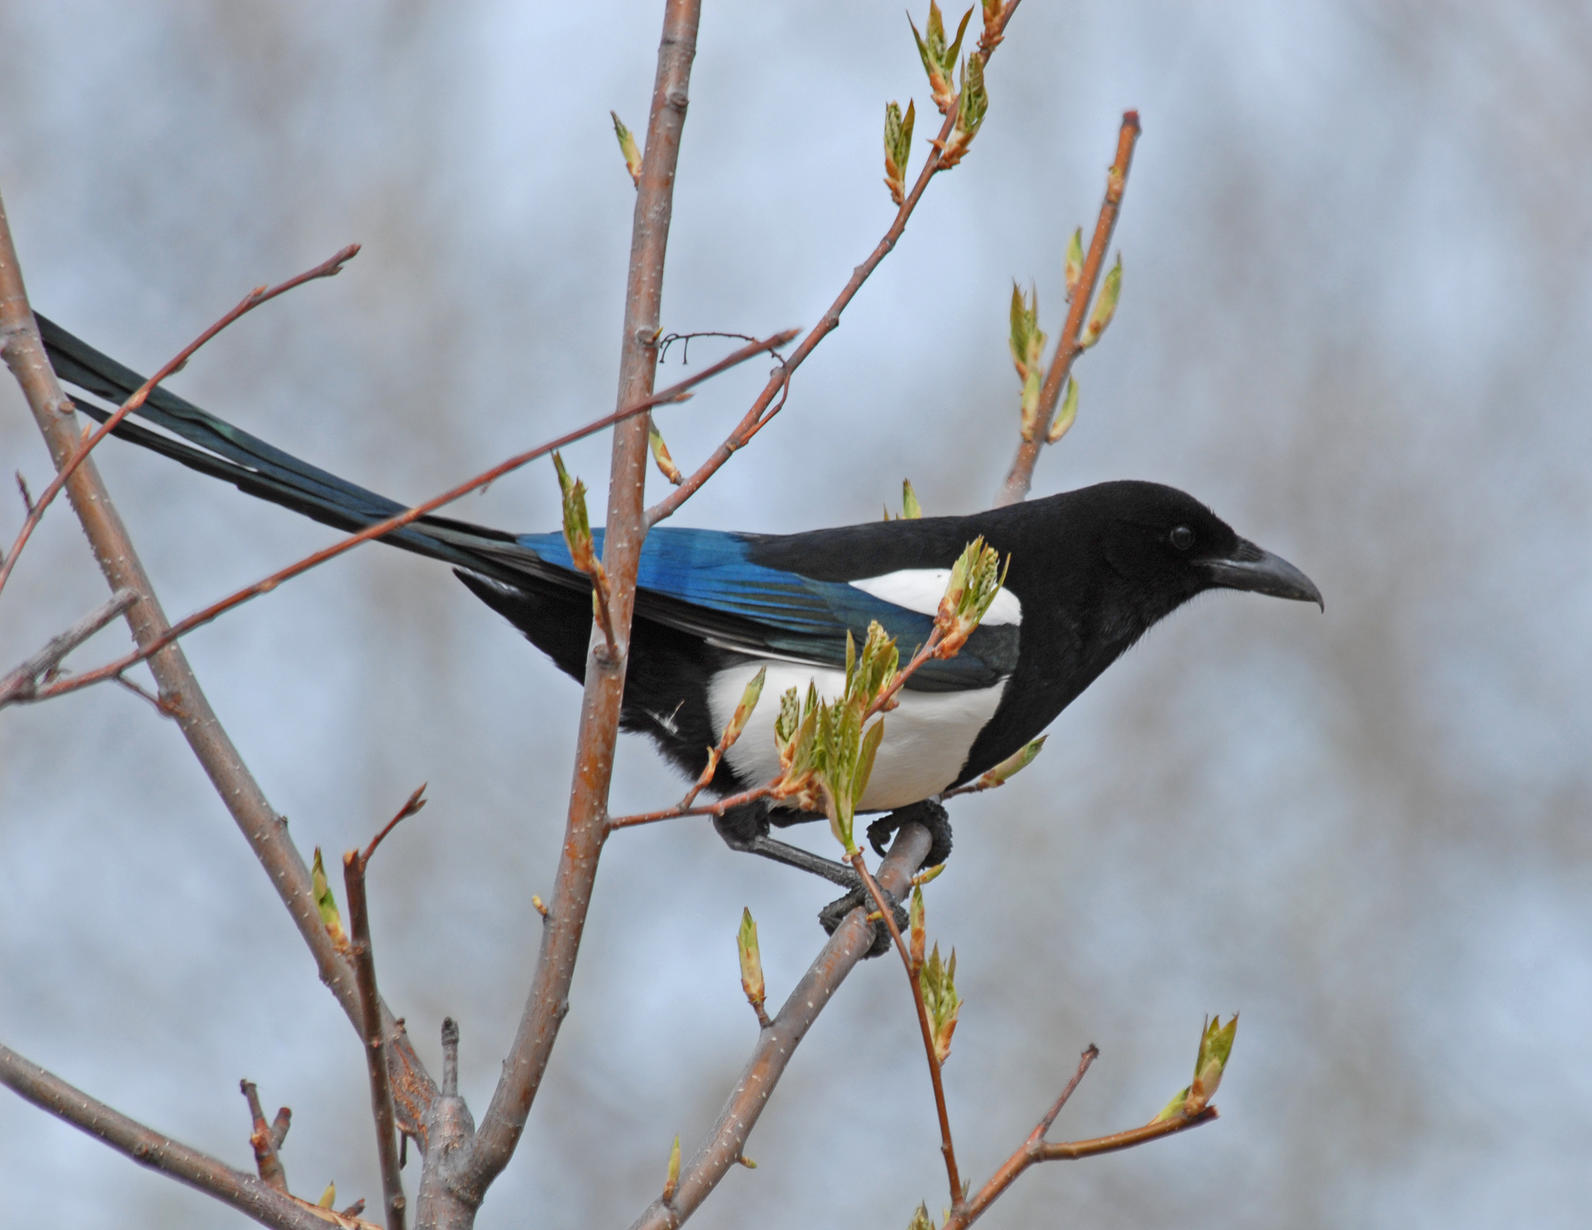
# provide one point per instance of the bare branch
(715, 808)
(23, 681)
(372, 1028)
(247, 1193)
(1090, 1054)
(1068, 348)
(265, 1139)
(725, 1144)
(547, 1002)
(412, 806)
(1036, 1149)
(260, 825)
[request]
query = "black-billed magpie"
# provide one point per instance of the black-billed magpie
(1090, 570)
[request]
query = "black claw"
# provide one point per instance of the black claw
(741, 826)
(833, 914)
(930, 815)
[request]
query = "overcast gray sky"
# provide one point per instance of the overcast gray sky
(1355, 320)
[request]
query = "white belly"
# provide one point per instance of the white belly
(926, 739)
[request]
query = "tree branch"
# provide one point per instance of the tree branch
(925, 1028)
(726, 1141)
(180, 693)
(1021, 475)
(247, 1193)
(1032, 1151)
(23, 681)
(374, 1035)
(547, 1002)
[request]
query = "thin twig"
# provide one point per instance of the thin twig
(264, 1140)
(328, 268)
(1073, 1150)
(1068, 348)
(247, 1193)
(164, 708)
(373, 1029)
(23, 681)
(1089, 1055)
(764, 408)
(725, 1143)
(925, 1027)
(396, 521)
(716, 808)
(413, 804)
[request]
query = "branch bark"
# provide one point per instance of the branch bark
(725, 1143)
(22, 683)
(247, 1193)
(1021, 475)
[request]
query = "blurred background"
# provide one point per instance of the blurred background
(1356, 318)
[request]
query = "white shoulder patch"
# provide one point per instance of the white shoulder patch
(920, 589)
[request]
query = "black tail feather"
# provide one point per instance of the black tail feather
(203, 442)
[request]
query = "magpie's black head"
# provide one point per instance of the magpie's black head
(1167, 547)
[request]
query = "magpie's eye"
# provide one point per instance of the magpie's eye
(1181, 537)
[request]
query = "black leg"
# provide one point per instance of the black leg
(746, 828)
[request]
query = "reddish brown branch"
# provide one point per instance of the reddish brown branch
(260, 294)
(1036, 1149)
(1074, 1150)
(263, 1138)
(179, 690)
(373, 1028)
(725, 1143)
(547, 1001)
(1090, 1054)
(247, 1193)
(925, 1028)
(412, 805)
(1021, 475)
(716, 808)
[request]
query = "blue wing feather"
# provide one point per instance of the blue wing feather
(704, 581)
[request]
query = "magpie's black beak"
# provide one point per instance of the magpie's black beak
(1249, 567)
